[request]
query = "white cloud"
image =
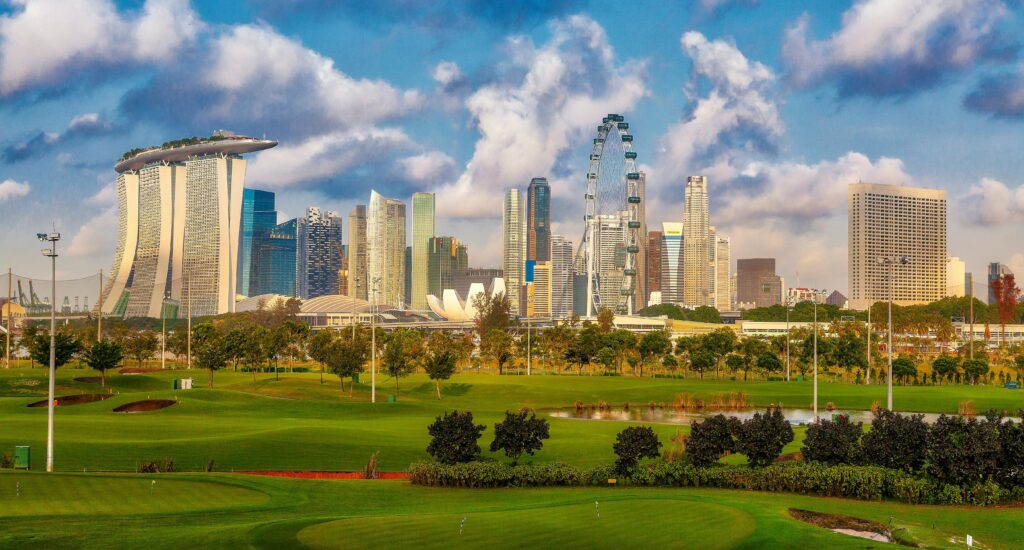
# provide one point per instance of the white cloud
(98, 235)
(427, 167)
(47, 42)
(550, 104)
(10, 190)
(106, 196)
(322, 156)
(885, 47)
(446, 72)
(991, 202)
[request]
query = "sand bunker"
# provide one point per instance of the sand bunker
(846, 525)
(66, 400)
(145, 405)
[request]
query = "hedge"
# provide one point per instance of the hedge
(858, 482)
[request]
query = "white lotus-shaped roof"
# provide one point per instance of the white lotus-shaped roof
(453, 308)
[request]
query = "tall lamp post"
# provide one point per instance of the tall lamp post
(815, 360)
(867, 328)
(788, 302)
(373, 342)
(51, 253)
(902, 260)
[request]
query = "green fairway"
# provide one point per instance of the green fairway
(296, 423)
(232, 511)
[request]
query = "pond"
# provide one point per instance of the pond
(657, 415)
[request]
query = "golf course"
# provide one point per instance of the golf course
(293, 422)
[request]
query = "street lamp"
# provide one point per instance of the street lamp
(815, 301)
(902, 260)
(51, 253)
(788, 303)
(373, 342)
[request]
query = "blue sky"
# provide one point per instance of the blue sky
(781, 104)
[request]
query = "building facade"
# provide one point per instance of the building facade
(995, 271)
(445, 257)
(278, 261)
(319, 249)
(956, 277)
(513, 259)
(466, 278)
(357, 255)
(561, 277)
(722, 274)
(889, 222)
(258, 219)
(671, 264)
(386, 258)
(422, 233)
(538, 220)
(653, 266)
(180, 210)
(757, 285)
(697, 286)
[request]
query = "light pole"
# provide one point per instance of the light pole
(529, 314)
(787, 337)
(903, 260)
(867, 380)
(373, 342)
(815, 360)
(51, 253)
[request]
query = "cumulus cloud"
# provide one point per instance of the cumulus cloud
(991, 202)
(887, 48)
(10, 190)
(49, 42)
(429, 167)
(718, 6)
(82, 126)
(1001, 96)
(254, 77)
(548, 102)
(98, 235)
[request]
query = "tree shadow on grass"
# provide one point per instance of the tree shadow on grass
(454, 390)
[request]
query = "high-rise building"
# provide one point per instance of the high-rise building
(889, 222)
(640, 262)
(408, 274)
(465, 278)
(422, 232)
(696, 243)
(357, 256)
(278, 270)
(385, 240)
(995, 271)
(513, 260)
(956, 274)
(539, 304)
(343, 272)
(561, 277)
(671, 264)
(722, 274)
(653, 266)
(610, 252)
(538, 220)
(319, 249)
(258, 218)
(757, 285)
(445, 257)
(180, 209)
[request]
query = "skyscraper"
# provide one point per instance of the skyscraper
(696, 244)
(757, 285)
(278, 270)
(258, 218)
(561, 277)
(956, 275)
(385, 240)
(357, 256)
(640, 291)
(445, 257)
(653, 267)
(887, 222)
(422, 231)
(610, 251)
(671, 264)
(723, 276)
(180, 209)
(319, 250)
(513, 258)
(995, 271)
(538, 220)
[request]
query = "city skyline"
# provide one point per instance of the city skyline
(780, 80)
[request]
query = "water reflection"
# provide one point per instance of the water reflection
(795, 416)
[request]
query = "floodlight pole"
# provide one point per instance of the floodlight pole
(867, 381)
(51, 253)
(815, 361)
(373, 342)
(99, 312)
(188, 336)
(889, 346)
(787, 338)
(9, 315)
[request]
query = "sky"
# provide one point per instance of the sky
(780, 104)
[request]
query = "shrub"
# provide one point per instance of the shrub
(518, 434)
(156, 466)
(833, 442)
(762, 437)
(962, 452)
(896, 441)
(6, 461)
(711, 439)
(633, 444)
(1010, 461)
(454, 438)
(497, 474)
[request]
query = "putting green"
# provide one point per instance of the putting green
(25, 494)
(622, 524)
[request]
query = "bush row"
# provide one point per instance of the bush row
(859, 482)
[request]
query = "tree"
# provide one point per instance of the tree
(705, 314)
(833, 442)
(711, 439)
(702, 361)
(945, 366)
(492, 312)
(896, 441)
(439, 361)
(768, 363)
(607, 357)
(454, 438)
(974, 369)
(212, 353)
(177, 342)
(1018, 363)
(719, 342)
(633, 444)
(1010, 462)
(65, 346)
(605, 320)
(652, 345)
(518, 434)
(903, 368)
(961, 451)
(320, 345)
(763, 437)
(670, 363)
(403, 350)
(253, 353)
(103, 356)
(234, 339)
(140, 345)
(736, 363)
(345, 359)
(497, 345)
(1007, 295)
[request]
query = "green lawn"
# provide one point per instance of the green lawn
(297, 423)
(233, 511)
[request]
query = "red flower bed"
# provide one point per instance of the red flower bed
(325, 475)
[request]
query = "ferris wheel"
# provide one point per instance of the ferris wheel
(611, 241)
